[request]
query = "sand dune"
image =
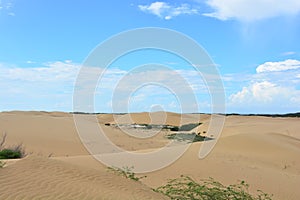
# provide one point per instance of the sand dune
(42, 178)
(42, 133)
(156, 118)
(263, 151)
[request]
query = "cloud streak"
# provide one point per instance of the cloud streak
(51, 71)
(252, 10)
(6, 6)
(50, 86)
(166, 11)
(278, 66)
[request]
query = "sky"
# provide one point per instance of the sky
(253, 43)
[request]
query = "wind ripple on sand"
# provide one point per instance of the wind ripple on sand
(42, 178)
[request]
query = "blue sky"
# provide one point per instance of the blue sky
(254, 43)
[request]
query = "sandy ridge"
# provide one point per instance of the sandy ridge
(43, 178)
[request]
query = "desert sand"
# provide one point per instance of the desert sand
(263, 151)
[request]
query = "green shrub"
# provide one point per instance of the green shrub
(185, 188)
(10, 154)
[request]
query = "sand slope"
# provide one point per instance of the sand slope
(42, 133)
(43, 178)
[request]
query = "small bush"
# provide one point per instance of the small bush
(185, 188)
(126, 172)
(10, 154)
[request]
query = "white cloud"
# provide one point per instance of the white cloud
(156, 8)
(138, 98)
(278, 66)
(261, 97)
(288, 53)
(251, 10)
(273, 89)
(30, 62)
(188, 79)
(50, 86)
(6, 6)
(262, 92)
(167, 11)
(51, 71)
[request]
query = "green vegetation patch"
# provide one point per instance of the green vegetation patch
(185, 188)
(12, 152)
(189, 127)
(186, 137)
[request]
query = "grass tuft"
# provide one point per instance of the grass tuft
(126, 172)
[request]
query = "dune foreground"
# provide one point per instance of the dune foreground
(263, 151)
(41, 178)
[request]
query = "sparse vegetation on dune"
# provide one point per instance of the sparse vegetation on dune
(184, 127)
(12, 152)
(185, 188)
(186, 137)
(189, 127)
(126, 172)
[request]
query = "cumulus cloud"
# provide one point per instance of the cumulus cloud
(263, 92)
(265, 97)
(274, 88)
(278, 66)
(167, 11)
(251, 10)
